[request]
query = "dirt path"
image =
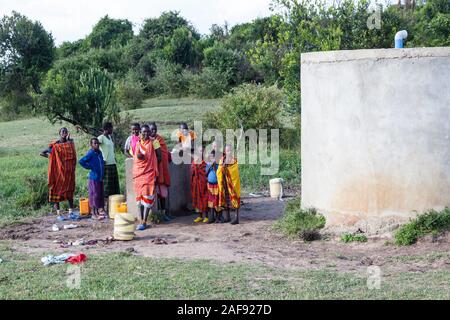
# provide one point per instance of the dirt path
(252, 241)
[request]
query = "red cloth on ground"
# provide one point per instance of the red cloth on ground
(77, 259)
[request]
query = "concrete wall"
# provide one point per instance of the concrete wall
(375, 134)
(179, 200)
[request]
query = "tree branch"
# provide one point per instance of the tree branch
(88, 130)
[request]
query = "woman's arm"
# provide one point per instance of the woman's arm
(45, 153)
(84, 162)
(127, 148)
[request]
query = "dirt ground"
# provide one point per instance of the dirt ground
(252, 241)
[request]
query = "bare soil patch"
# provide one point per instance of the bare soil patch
(252, 241)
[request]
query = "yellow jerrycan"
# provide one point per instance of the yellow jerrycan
(114, 201)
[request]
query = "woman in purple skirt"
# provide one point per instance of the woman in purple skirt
(93, 160)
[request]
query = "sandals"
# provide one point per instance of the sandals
(141, 227)
(74, 217)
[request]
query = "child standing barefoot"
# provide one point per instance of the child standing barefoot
(133, 139)
(93, 160)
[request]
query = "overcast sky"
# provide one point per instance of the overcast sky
(70, 20)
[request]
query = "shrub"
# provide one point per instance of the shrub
(170, 80)
(299, 222)
(255, 106)
(130, 93)
(37, 192)
(431, 222)
(224, 61)
(290, 136)
(209, 84)
(353, 237)
(15, 106)
(122, 130)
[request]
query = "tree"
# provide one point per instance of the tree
(157, 30)
(182, 48)
(228, 62)
(26, 53)
(111, 32)
(432, 24)
(67, 48)
(84, 98)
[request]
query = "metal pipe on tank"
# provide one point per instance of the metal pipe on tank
(399, 38)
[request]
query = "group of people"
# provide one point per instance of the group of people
(103, 178)
(214, 182)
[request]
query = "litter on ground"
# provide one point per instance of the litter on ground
(77, 259)
(51, 259)
(70, 226)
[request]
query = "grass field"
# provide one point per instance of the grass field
(124, 276)
(127, 276)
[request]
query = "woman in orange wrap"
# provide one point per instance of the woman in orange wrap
(145, 173)
(163, 181)
(61, 171)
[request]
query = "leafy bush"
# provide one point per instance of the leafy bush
(254, 106)
(15, 106)
(170, 80)
(209, 84)
(431, 222)
(224, 61)
(353, 237)
(290, 136)
(299, 222)
(130, 93)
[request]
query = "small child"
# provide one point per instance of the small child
(199, 188)
(130, 144)
(93, 160)
(186, 137)
(213, 189)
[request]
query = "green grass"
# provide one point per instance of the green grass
(24, 172)
(297, 222)
(428, 258)
(351, 237)
(124, 276)
(174, 111)
(252, 180)
(178, 102)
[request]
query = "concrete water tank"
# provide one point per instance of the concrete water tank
(179, 199)
(375, 134)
